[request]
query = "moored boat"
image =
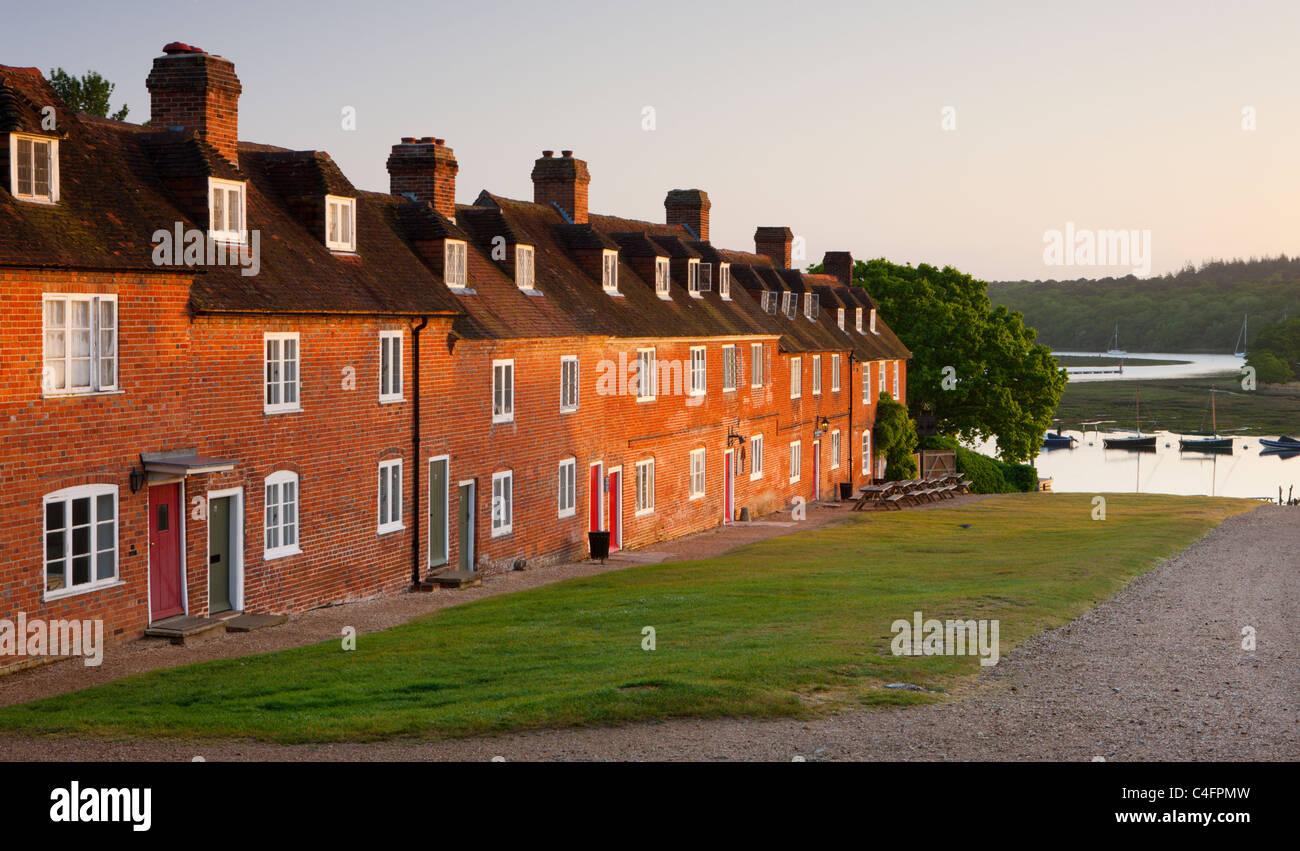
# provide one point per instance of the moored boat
(1211, 442)
(1134, 441)
(1283, 442)
(1056, 440)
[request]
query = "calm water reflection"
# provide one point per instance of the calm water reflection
(1196, 366)
(1091, 468)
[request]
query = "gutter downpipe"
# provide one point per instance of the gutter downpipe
(415, 449)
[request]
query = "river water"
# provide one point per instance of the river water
(1089, 467)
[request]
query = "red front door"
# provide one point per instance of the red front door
(615, 510)
(817, 470)
(165, 551)
(594, 491)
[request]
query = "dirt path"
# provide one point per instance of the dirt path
(1156, 673)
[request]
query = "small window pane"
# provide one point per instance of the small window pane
(81, 570)
(107, 564)
(81, 511)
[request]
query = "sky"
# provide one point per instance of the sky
(951, 133)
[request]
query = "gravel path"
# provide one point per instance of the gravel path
(1156, 673)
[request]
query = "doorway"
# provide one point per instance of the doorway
(615, 509)
(439, 519)
(468, 493)
(595, 497)
(728, 486)
(817, 470)
(165, 586)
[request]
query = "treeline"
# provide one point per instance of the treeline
(1199, 309)
(1275, 352)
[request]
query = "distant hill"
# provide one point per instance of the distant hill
(1195, 310)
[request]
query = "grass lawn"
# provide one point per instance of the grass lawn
(789, 626)
(1183, 404)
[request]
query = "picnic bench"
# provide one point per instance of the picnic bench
(895, 495)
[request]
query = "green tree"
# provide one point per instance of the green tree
(89, 93)
(975, 365)
(1269, 368)
(895, 438)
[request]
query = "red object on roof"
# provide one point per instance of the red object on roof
(180, 47)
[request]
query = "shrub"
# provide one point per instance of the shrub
(895, 438)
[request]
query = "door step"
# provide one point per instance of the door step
(456, 579)
(183, 629)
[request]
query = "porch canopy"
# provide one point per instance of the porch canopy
(182, 462)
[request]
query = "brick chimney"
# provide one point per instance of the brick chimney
(199, 92)
(774, 243)
(563, 181)
(425, 168)
(689, 207)
(839, 264)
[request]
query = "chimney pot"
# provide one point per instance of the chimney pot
(426, 169)
(567, 153)
(689, 207)
(562, 182)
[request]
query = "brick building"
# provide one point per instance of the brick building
(236, 382)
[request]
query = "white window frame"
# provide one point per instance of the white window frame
(755, 457)
(567, 405)
(796, 460)
(835, 449)
(835, 373)
(839, 318)
(790, 304)
(390, 364)
(390, 479)
(525, 268)
(698, 478)
(817, 375)
(646, 390)
(277, 480)
(730, 368)
(340, 223)
(663, 277)
(503, 391)
(873, 322)
(859, 319)
(103, 343)
(645, 487)
(880, 368)
(699, 371)
(866, 382)
(281, 406)
(895, 380)
(52, 167)
(222, 231)
(693, 278)
(866, 452)
(724, 281)
(567, 488)
(65, 497)
(811, 305)
(756, 364)
(796, 378)
(503, 487)
(455, 264)
(609, 271)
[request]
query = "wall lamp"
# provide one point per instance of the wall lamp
(137, 479)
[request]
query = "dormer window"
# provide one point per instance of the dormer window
(859, 320)
(839, 318)
(524, 267)
(34, 168)
(693, 277)
(609, 271)
(873, 321)
(770, 301)
(724, 281)
(663, 276)
(811, 305)
(453, 259)
(340, 223)
(226, 210)
(789, 304)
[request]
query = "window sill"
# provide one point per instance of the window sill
(295, 410)
(695, 497)
(389, 528)
(640, 399)
(78, 590)
(697, 295)
(499, 420)
(391, 400)
(753, 477)
(228, 237)
(613, 294)
(461, 290)
(343, 250)
(794, 481)
(572, 410)
(501, 533)
(272, 555)
(78, 394)
(568, 512)
(665, 296)
(37, 199)
(530, 291)
(643, 512)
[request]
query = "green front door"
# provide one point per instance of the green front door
(219, 555)
(437, 512)
(465, 538)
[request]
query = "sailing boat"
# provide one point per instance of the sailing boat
(1212, 442)
(1240, 349)
(1114, 345)
(1138, 440)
